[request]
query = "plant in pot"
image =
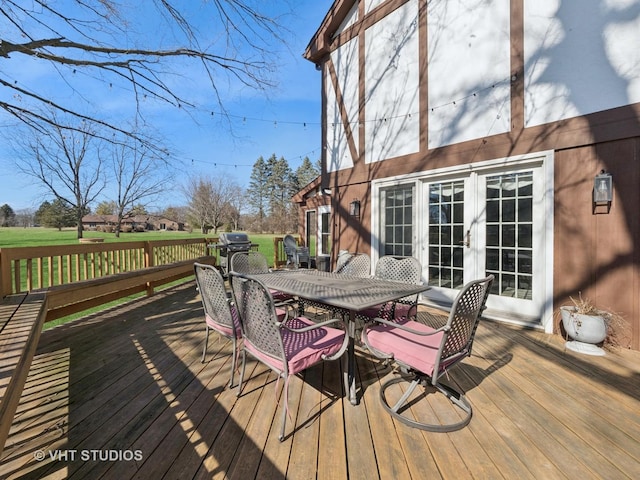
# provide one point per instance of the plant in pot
(589, 326)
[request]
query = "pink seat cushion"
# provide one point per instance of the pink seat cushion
(279, 296)
(304, 349)
(227, 331)
(417, 351)
(384, 311)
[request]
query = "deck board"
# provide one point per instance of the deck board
(130, 379)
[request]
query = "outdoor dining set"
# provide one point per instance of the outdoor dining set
(266, 314)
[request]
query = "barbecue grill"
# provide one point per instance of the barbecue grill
(231, 243)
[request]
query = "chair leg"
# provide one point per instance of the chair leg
(285, 406)
(455, 397)
(233, 361)
(244, 358)
(206, 341)
(284, 417)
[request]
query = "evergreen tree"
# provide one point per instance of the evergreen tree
(258, 190)
(58, 214)
(7, 216)
(280, 192)
(306, 173)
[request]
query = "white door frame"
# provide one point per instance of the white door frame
(544, 161)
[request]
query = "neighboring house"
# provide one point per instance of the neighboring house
(98, 222)
(136, 223)
(471, 134)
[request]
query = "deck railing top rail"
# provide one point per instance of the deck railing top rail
(28, 268)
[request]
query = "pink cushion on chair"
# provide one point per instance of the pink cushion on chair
(279, 296)
(375, 311)
(384, 310)
(306, 349)
(303, 349)
(227, 331)
(417, 351)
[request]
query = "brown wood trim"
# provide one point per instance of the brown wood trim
(344, 117)
(517, 64)
(423, 53)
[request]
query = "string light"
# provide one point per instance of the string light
(236, 165)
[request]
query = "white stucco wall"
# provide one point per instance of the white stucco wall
(349, 20)
(469, 70)
(580, 57)
(392, 119)
(345, 61)
(371, 4)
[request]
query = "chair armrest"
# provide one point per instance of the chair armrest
(310, 327)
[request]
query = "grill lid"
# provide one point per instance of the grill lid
(227, 239)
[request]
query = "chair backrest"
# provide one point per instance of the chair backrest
(355, 265)
(399, 269)
(290, 244)
(343, 257)
(249, 263)
(215, 300)
(463, 321)
(258, 316)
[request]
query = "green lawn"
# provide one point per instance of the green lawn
(40, 236)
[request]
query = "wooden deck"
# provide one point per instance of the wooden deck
(127, 388)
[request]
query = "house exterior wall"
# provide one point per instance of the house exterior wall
(416, 90)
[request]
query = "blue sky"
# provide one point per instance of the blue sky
(284, 120)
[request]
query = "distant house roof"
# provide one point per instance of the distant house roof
(313, 188)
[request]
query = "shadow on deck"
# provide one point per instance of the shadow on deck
(122, 394)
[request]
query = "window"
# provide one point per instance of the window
(446, 234)
(396, 223)
(311, 232)
(509, 252)
(325, 233)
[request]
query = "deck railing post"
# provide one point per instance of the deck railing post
(148, 262)
(5, 276)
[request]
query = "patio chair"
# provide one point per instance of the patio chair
(356, 265)
(219, 312)
(251, 263)
(287, 347)
(427, 353)
(295, 255)
(396, 269)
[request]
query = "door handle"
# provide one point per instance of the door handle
(467, 239)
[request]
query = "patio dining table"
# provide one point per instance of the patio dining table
(351, 294)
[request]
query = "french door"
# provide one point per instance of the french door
(487, 222)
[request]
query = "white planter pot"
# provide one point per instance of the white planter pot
(585, 331)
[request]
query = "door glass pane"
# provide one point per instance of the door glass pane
(509, 233)
(396, 224)
(446, 234)
(325, 232)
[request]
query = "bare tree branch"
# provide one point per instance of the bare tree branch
(98, 39)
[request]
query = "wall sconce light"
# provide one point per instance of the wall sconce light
(354, 208)
(602, 191)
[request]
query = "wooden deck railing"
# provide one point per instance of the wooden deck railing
(25, 269)
(72, 278)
